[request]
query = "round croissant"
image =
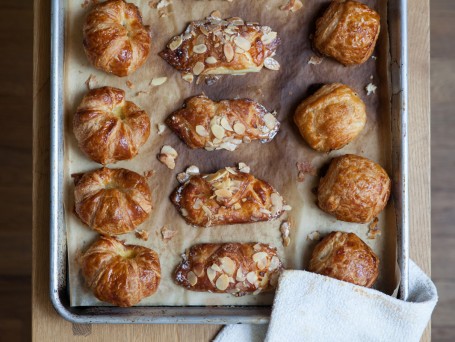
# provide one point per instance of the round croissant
(115, 40)
(112, 201)
(355, 189)
(344, 256)
(108, 128)
(120, 274)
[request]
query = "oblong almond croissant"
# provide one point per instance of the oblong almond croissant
(204, 123)
(214, 46)
(115, 40)
(108, 128)
(227, 197)
(120, 274)
(112, 201)
(236, 268)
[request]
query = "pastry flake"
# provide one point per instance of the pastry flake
(120, 274)
(227, 197)
(347, 32)
(204, 123)
(216, 46)
(235, 268)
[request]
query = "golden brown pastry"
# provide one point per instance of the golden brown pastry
(108, 128)
(115, 40)
(344, 256)
(331, 118)
(214, 46)
(227, 197)
(235, 268)
(112, 201)
(347, 31)
(120, 274)
(355, 189)
(203, 123)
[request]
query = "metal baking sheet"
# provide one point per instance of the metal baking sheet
(218, 315)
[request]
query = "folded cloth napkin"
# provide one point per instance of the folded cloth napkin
(311, 307)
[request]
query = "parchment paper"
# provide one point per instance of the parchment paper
(274, 162)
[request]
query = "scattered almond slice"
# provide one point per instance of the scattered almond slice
(192, 278)
(163, 3)
(314, 236)
(373, 229)
(304, 168)
(271, 64)
(142, 234)
(244, 168)
(292, 6)
(188, 78)
(167, 156)
(371, 89)
(167, 233)
(90, 83)
(315, 60)
(160, 128)
(285, 229)
(129, 84)
(158, 81)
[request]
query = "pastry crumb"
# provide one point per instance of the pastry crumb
(167, 233)
(371, 89)
(314, 236)
(142, 234)
(304, 168)
(140, 92)
(167, 156)
(129, 84)
(315, 60)
(285, 230)
(160, 128)
(90, 83)
(157, 81)
(292, 6)
(374, 57)
(373, 229)
(149, 173)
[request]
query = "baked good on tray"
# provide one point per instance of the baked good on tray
(115, 39)
(331, 118)
(354, 189)
(227, 196)
(347, 32)
(344, 256)
(112, 201)
(108, 128)
(120, 274)
(235, 268)
(204, 123)
(215, 46)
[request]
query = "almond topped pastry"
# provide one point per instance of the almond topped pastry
(112, 201)
(344, 256)
(354, 189)
(216, 46)
(120, 274)
(228, 196)
(235, 268)
(115, 39)
(204, 123)
(108, 128)
(347, 32)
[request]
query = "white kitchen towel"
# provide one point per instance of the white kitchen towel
(311, 307)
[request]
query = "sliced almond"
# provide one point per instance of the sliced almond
(225, 124)
(188, 78)
(257, 247)
(202, 131)
(160, 128)
(271, 64)
(244, 168)
(222, 282)
(192, 170)
(246, 140)
(268, 37)
(231, 170)
(216, 14)
(167, 233)
(217, 131)
(198, 68)
(276, 200)
(228, 265)
(169, 150)
(223, 193)
(167, 160)
(237, 206)
(184, 212)
(182, 177)
(207, 211)
(158, 81)
(211, 60)
(252, 278)
(287, 207)
(242, 43)
(192, 279)
(270, 120)
(255, 293)
(260, 259)
(239, 128)
(216, 268)
(175, 43)
(228, 52)
(239, 275)
(197, 204)
(274, 263)
(211, 274)
(201, 48)
(228, 146)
